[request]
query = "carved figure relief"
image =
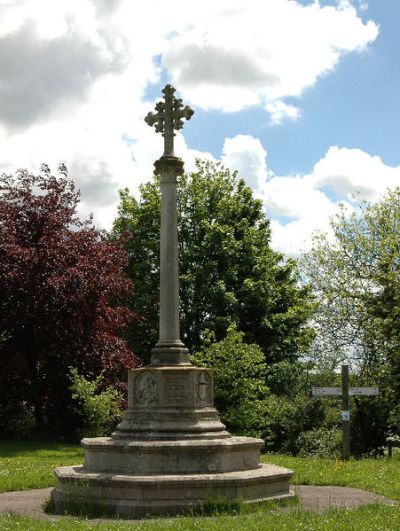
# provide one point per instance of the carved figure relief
(146, 390)
(203, 387)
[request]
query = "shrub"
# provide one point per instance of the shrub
(320, 442)
(239, 388)
(21, 425)
(99, 408)
(288, 418)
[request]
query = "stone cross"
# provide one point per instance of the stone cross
(169, 117)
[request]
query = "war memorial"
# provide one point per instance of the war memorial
(170, 452)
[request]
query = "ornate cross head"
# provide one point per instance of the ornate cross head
(169, 116)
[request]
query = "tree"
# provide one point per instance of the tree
(356, 277)
(239, 382)
(228, 272)
(62, 286)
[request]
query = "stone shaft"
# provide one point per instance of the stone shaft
(169, 283)
(169, 350)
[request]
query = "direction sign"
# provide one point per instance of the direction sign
(353, 391)
(326, 391)
(345, 391)
(363, 391)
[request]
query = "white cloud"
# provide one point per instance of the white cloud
(354, 172)
(300, 205)
(236, 54)
(74, 74)
(281, 111)
(246, 154)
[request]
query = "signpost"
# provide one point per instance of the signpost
(345, 392)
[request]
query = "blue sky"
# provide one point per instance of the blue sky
(301, 97)
(357, 106)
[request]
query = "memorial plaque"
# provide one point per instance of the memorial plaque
(176, 388)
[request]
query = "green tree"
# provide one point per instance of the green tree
(239, 382)
(228, 272)
(356, 278)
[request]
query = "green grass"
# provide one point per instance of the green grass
(381, 476)
(367, 518)
(30, 465)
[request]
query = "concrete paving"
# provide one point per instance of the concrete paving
(319, 499)
(313, 498)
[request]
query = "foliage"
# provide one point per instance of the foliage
(239, 389)
(356, 277)
(288, 418)
(22, 424)
(321, 442)
(285, 378)
(100, 408)
(62, 287)
(228, 272)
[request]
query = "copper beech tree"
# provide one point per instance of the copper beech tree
(62, 290)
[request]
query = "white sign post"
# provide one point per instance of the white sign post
(345, 392)
(364, 391)
(326, 391)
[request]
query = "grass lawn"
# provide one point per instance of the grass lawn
(381, 476)
(367, 518)
(31, 465)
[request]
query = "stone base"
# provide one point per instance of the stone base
(133, 496)
(169, 454)
(103, 454)
(170, 403)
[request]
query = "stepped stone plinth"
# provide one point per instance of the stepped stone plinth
(171, 452)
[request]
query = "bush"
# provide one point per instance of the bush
(320, 442)
(289, 418)
(239, 382)
(21, 425)
(100, 409)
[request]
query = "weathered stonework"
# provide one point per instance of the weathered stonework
(170, 452)
(135, 496)
(181, 406)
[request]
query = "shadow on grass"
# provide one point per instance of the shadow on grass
(11, 448)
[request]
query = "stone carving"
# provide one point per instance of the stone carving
(169, 117)
(146, 390)
(203, 387)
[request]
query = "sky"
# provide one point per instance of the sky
(300, 97)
